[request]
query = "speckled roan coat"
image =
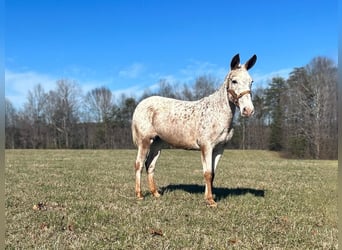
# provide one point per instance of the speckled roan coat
(204, 125)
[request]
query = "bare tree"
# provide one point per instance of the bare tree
(10, 114)
(323, 78)
(187, 94)
(34, 113)
(312, 109)
(36, 100)
(204, 86)
(168, 90)
(99, 104)
(124, 111)
(257, 132)
(63, 111)
(10, 124)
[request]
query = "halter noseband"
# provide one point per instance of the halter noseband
(236, 97)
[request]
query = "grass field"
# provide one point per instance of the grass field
(64, 199)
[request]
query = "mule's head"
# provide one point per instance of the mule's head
(239, 85)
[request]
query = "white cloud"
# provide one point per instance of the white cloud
(262, 79)
(88, 85)
(17, 84)
(156, 77)
(188, 74)
(197, 68)
(130, 91)
(132, 71)
(150, 80)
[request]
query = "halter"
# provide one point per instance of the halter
(236, 97)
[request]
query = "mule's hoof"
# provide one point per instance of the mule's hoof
(139, 196)
(156, 194)
(211, 203)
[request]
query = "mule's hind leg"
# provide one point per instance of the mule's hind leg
(150, 165)
(150, 173)
(143, 149)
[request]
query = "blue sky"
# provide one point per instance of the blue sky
(128, 46)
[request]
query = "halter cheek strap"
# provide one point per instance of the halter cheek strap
(236, 97)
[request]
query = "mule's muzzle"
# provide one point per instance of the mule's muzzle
(247, 111)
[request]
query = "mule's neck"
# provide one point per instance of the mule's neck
(220, 98)
(223, 93)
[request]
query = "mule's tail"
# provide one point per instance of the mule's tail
(134, 133)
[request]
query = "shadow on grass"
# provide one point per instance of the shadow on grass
(220, 193)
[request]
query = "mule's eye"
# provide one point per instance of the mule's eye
(234, 81)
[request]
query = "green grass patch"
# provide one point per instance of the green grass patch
(84, 199)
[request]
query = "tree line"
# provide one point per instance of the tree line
(297, 116)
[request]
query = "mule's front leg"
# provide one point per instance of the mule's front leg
(206, 156)
(208, 195)
(152, 184)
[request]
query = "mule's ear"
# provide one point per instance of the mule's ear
(235, 62)
(250, 63)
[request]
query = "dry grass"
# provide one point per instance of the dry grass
(58, 199)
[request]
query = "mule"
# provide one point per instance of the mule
(204, 125)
